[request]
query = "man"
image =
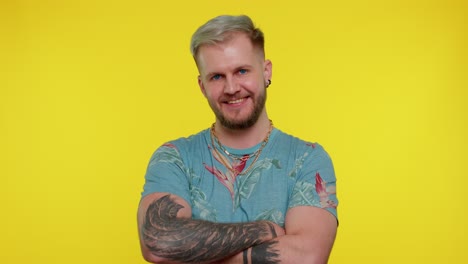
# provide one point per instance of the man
(241, 191)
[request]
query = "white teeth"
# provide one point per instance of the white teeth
(235, 101)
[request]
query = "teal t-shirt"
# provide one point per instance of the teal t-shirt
(288, 172)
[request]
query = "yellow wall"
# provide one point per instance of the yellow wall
(89, 89)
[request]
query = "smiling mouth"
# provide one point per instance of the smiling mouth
(236, 101)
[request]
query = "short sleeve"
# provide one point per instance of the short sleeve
(316, 182)
(166, 172)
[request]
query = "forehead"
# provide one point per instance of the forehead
(236, 50)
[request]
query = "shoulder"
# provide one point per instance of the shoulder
(192, 141)
(183, 145)
(307, 155)
(301, 145)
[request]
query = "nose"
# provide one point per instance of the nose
(231, 86)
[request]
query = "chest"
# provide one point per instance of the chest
(223, 195)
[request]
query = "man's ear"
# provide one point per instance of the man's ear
(202, 87)
(267, 70)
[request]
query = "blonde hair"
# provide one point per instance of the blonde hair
(220, 29)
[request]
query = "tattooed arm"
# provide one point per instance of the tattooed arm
(310, 234)
(169, 235)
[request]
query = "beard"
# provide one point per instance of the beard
(250, 120)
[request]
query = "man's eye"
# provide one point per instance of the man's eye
(216, 77)
(243, 71)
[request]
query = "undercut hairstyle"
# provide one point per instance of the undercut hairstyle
(221, 28)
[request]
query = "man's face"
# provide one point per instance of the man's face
(233, 77)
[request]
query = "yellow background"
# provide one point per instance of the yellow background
(89, 89)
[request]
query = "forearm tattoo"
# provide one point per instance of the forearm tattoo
(188, 240)
(265, 253)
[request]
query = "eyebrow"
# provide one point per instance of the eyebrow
(245, 66)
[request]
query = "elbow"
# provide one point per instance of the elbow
(152, 251)
(151, 258)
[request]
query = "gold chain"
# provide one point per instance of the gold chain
(245, 157)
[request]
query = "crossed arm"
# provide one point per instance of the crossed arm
(169, 235)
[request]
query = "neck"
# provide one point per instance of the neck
(243, 138)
